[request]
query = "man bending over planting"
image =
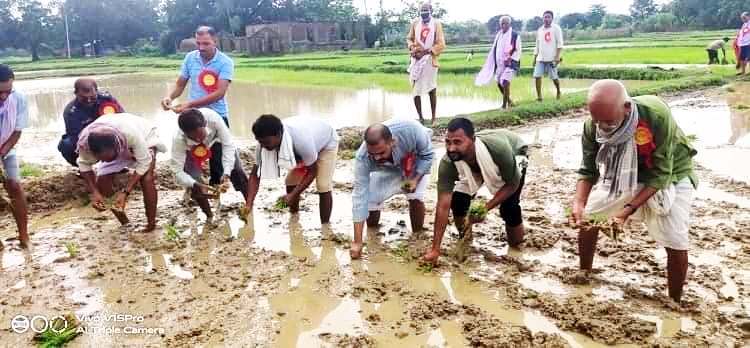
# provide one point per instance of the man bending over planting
(306, 148)
(496, 159)
(203, 136)
(395, 157)
(647, 174)
(119, 142)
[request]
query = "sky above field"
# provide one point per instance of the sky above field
(460, 10)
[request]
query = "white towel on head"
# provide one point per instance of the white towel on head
(270, 162)
(470, 184)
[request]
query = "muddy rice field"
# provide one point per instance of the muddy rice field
(286, 281)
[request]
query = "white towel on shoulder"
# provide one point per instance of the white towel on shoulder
(271, 162)
(470, 184)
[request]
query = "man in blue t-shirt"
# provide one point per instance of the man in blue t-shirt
(209, 72)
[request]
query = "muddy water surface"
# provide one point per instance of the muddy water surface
(287, 281)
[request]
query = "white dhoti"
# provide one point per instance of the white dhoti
(666, 214)
(423, 76)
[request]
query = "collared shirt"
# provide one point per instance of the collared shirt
(310, 136)
(140, 134)
(77, 116)
(217, 132)
(410, 137)
(220, 67)
(503, 146)
(22, 114)
(671, 159)
(548, 41)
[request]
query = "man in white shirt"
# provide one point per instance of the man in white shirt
(503, 62)
(204, 136)
(120, 143)
(549, 46)
(304, 146)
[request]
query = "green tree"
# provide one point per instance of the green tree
(534, 23)
(573, 20)
(9, 33)
(641, 9)
(614, 21)
(596, 15)
(36, 24)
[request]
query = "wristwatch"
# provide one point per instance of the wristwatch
(630, 206)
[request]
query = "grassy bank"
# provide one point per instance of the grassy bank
(535, 110)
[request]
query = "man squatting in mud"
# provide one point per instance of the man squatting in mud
(647, 173)
(496, 159)
(88, 104)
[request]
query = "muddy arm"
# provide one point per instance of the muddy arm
(502, 195)
(583, 189)
(442, 209)
(8, 145)
(253, 185)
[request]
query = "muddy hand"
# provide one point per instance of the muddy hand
(431, 256)
(576, 215)
(166, 104)
(97, 202)
(120, 201)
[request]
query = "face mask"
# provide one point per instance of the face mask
(426, 16)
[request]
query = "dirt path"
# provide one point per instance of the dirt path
(285, 281)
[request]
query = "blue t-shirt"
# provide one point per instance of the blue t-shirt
(204, 77)
(21, 115)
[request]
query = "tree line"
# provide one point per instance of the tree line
(157, 26)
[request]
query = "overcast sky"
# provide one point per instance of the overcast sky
(484, 9)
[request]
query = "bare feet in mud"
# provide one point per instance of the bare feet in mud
(356, 251)
(431, 256)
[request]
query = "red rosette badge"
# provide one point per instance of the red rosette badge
(208, 80)
(200, 153)
(108, 107)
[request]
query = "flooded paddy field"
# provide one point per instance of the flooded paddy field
(286, 281)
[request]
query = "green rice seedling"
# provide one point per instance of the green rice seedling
(72, 249)
(59, 333)
(171, 233)
(478, 210)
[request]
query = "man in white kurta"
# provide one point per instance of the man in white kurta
(426, 41)
(503, 62)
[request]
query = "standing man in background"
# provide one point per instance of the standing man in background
(426, 41)
(743, 42)
(209, 72)
(503, 62)
(549, 46)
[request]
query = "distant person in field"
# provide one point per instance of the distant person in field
(14, 116)
(713, 51)
(743, 44)
(120, 143)
(209, 72)
(503, 61)
(89, 104)
(549, 46)
(426, 41)
(642, 165)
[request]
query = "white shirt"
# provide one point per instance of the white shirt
(310, 136)
(548, 41)
(216, 131)
(744, 35)
(506, 39)
(140, 134)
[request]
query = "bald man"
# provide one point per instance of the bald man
(87, 106)
(395, 158)
(647, 174)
